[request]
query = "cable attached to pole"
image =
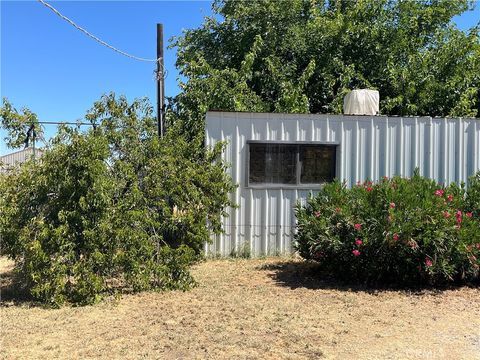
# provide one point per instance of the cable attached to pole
(94, 37)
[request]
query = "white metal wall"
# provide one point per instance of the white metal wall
(370, 147)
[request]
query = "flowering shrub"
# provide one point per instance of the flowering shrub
(398, 231)
(472, 198)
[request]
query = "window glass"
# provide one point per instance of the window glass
(317, 163)
(273, 164)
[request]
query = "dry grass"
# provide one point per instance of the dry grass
(251, 309)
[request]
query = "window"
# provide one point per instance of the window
(317, 163)
(273, 164)
(291, 164)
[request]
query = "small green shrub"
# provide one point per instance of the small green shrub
(243, 251)
(397, 231)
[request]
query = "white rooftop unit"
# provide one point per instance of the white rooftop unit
(361, 102)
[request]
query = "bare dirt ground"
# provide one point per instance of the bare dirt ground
(249, 309)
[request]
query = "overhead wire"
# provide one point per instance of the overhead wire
(32, 133)
(158, 61)
(71, 22)
(79, 123)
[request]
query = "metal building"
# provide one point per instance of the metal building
(278, 159)
(8, 161)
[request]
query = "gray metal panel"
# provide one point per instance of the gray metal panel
(10, 160)
(370, 147)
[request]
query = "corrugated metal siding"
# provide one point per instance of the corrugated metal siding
(9, 160)
(447, 150)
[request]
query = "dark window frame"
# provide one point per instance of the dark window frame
(298, 164)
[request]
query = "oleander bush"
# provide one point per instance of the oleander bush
(398, 231)
(472, 198)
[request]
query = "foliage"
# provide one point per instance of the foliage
(111, 208)
(16, 124)
(303, 56)
(402, 231)
(472, 198)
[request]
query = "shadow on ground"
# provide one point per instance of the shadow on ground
(12, 292)
(296, 274)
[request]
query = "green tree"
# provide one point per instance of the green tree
(305, 55)
(114, 207)
(17, 123)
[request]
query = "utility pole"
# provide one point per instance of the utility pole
(160, 82)
(33, 142)
(31, 133)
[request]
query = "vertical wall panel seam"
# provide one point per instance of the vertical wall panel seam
(401, 129)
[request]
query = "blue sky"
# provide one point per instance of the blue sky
(58, 72)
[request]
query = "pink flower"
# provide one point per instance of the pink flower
(446, 214)
(392, 205)
(358, 242)
(469, 214)
(478, 246)
(338, 210)
(358, 227)
(396, 237)
(439, 192)
(356, 252)
(369, 189)
(458, 215)
(385, 178)
(317, 213)
(428, 262)
(450, 198)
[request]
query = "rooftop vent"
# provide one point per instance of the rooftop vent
(361, 102)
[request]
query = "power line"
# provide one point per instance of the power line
(31, 133)
(66, 123)
(96, 38)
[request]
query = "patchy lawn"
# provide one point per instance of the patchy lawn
(249, 309)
